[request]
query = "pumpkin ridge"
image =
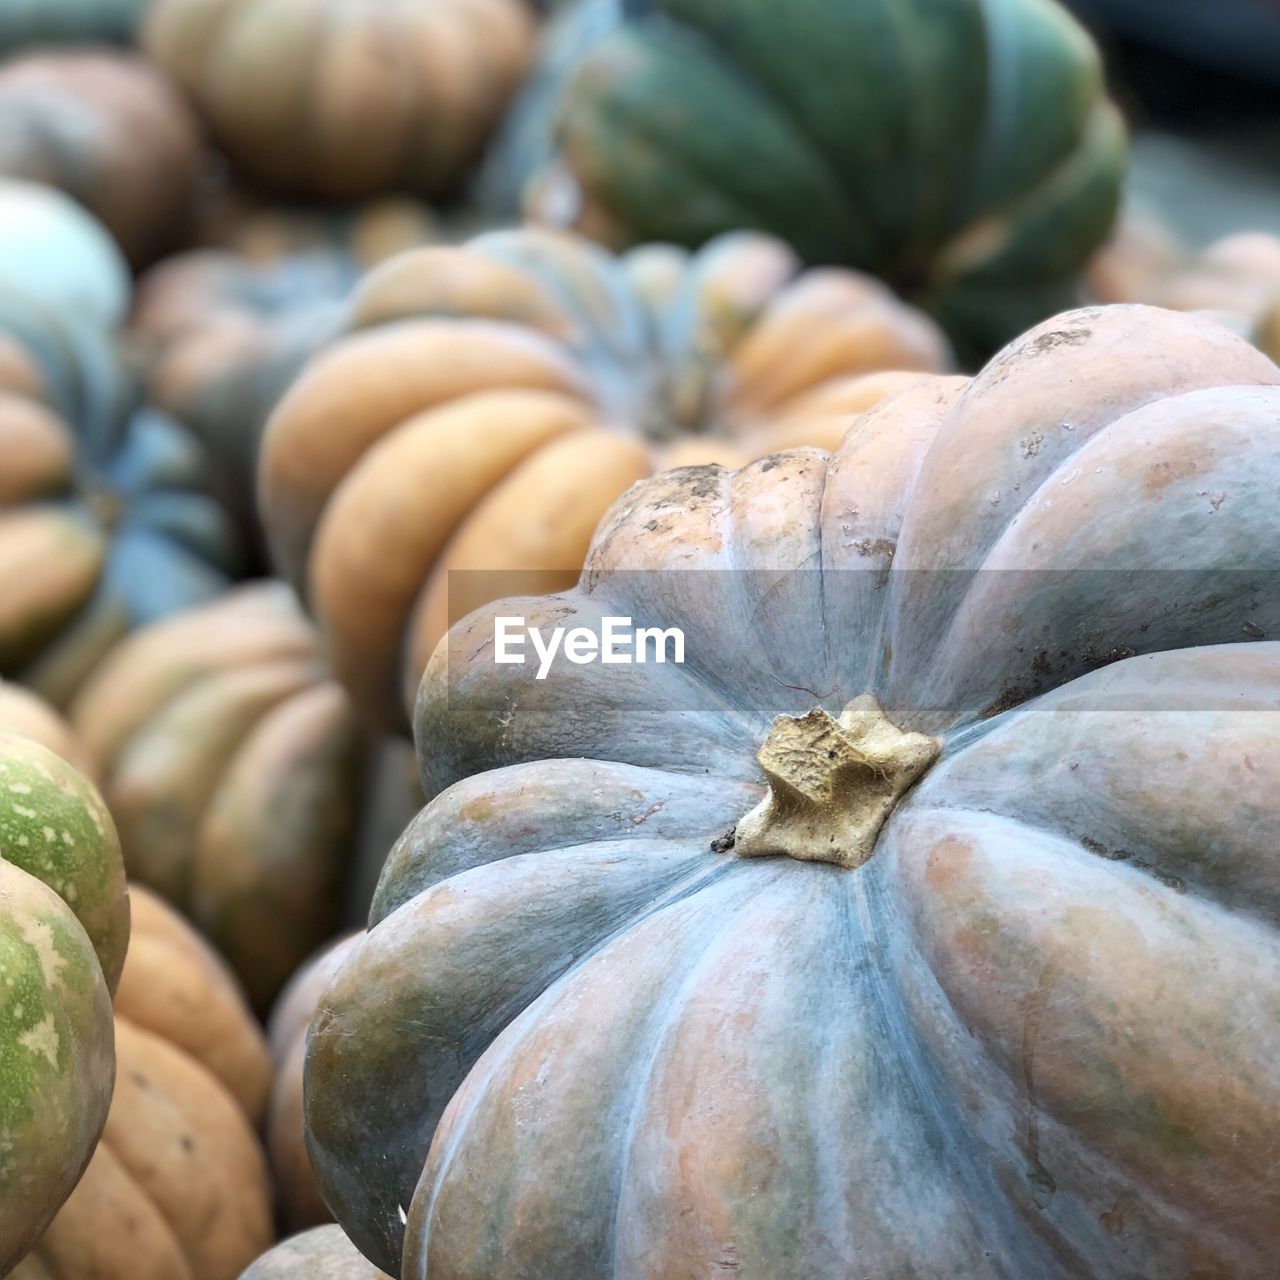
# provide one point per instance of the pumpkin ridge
(755, 85)
(870, 904)
(472, 1097)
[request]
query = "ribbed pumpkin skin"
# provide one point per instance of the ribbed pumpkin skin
(492, 400)
(232, 764)
(110, 131)
(222, 332)
(64, 926)
(178, 1188)
(106, 520)
(53, 251)
(221, 339)
(580, 1036)
(42, 22)
(339, 100)
(300, 1202)
(321, 1254)
(963, 150)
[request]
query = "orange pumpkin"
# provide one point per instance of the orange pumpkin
(341, 101)
(492, 400)
(236, 773)
(110, 131)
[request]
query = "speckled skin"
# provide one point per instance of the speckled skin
(177, 1188)
(1035, 1034)
(493, 399)
(64, 927)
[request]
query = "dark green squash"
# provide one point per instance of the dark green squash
(963, 150)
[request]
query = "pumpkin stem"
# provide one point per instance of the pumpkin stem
(832, 784)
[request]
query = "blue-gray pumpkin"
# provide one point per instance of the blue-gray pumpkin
(923, 923)
(106, 521)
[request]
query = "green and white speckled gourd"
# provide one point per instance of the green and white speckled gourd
(924, 923)
(964, 151)
(64, 928)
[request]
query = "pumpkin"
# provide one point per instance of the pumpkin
(52, 250)
(106, 128)
(222, 332)
(1141, 254)
(24, 713)
(64, 927)
(33, 22)
(323, 1253)
(300, 1201)
(368, 233)
(220, 340)
(923, 922)
(1237, 279)
(234, 769)
(492, 400)
(105, 518)
(345, 101)
(964, 151)
(178, 1188)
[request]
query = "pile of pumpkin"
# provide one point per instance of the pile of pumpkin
(922, 922)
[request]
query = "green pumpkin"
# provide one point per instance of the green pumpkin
(64, 928)
(963, 150)
(41, 22)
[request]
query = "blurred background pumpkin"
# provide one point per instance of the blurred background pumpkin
(240, 780)
(111, 132)
(342, 101)
(490, 401)
(974, 173)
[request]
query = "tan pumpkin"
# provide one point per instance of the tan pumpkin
(233, 766)
(492, 400)
(263, 232)
(300, 1201)
(324, 1253)
(339, 100)
(178, 1187)
(109, 130)
(1235, 279)
(1138, 258)
(22, 711)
